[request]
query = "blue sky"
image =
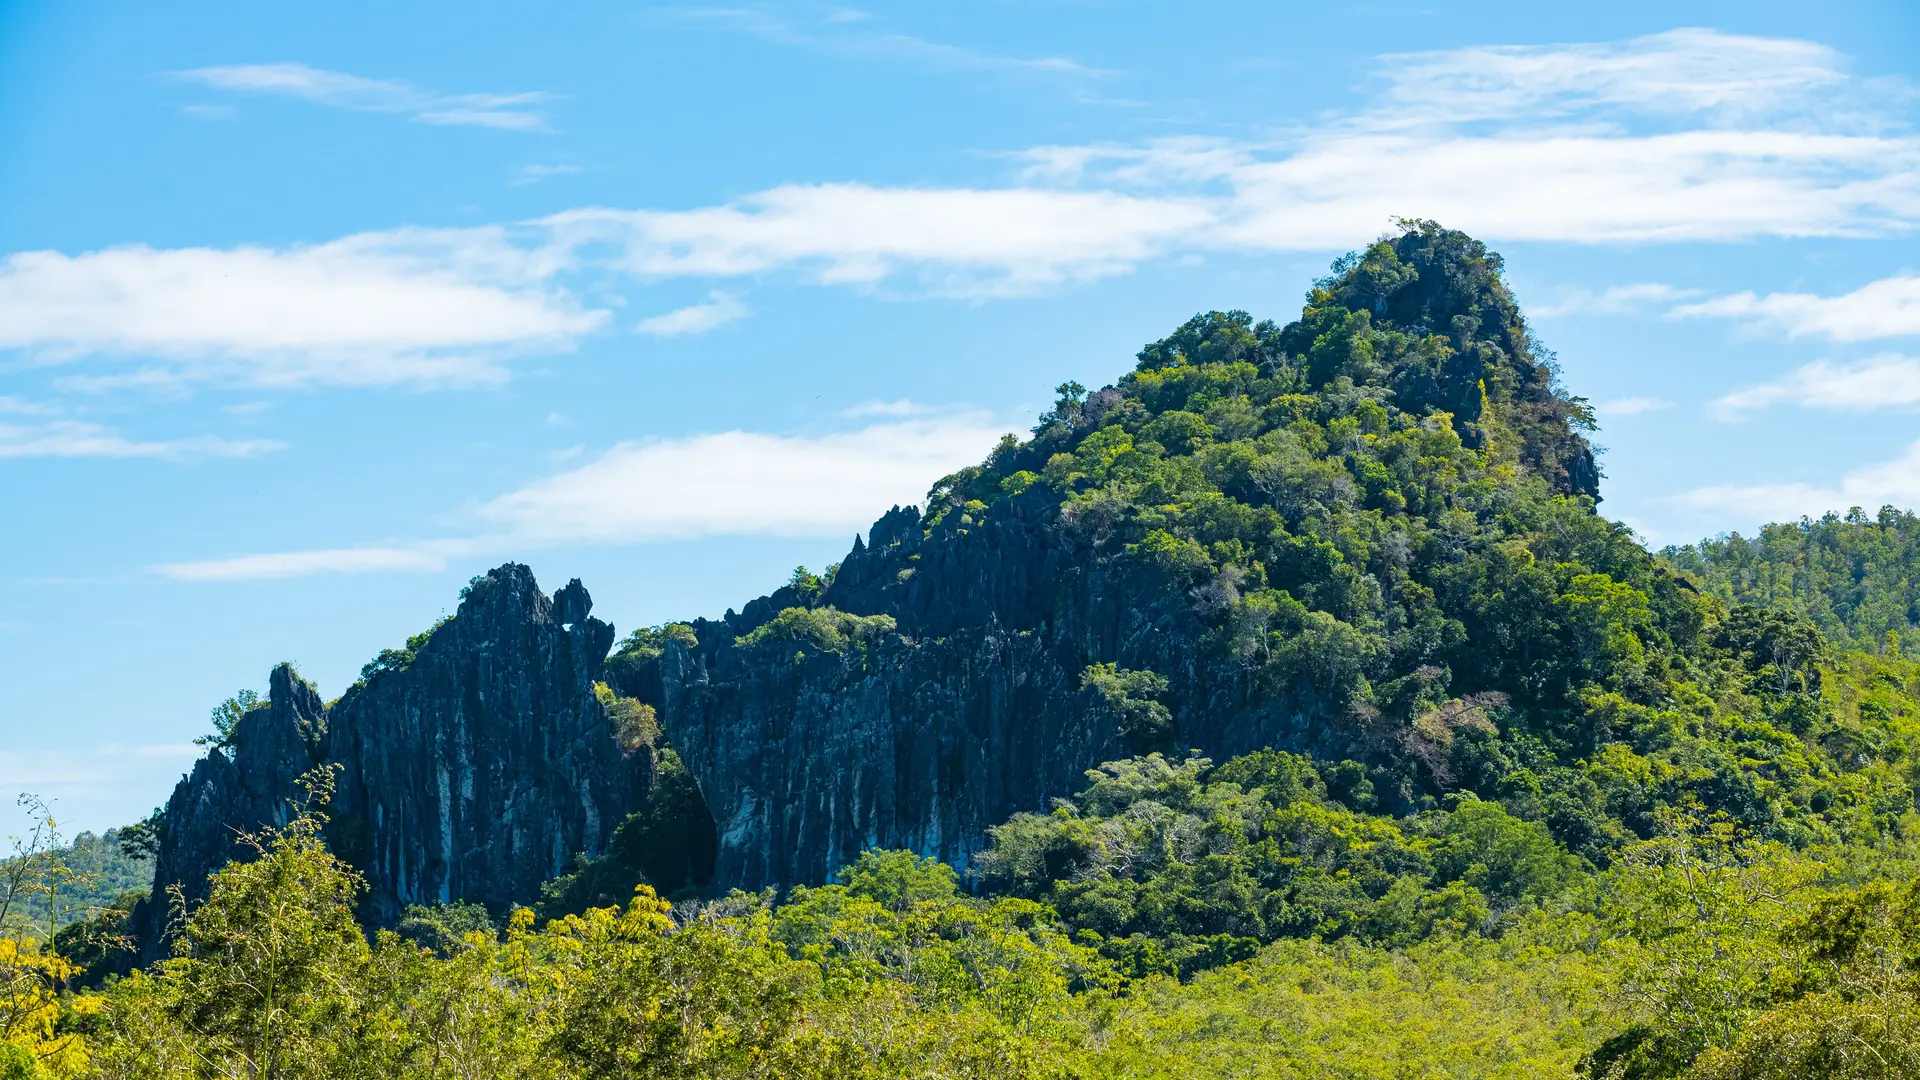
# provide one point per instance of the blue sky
(308, 315)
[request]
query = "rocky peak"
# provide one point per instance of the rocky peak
(471, 765)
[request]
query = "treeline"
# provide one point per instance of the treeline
(1857, 577)
(1466, 944)
(47, 883)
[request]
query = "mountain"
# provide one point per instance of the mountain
(1346, 536)
(1367, 536)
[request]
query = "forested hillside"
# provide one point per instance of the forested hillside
(1854, 576)
(1285, 709)
(53, 885)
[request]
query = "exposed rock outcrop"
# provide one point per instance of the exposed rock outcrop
(236, 788)
(970, 709)
(471, 766)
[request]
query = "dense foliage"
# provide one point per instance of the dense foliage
(1704, 952)
(1180, 867)
(1856, 577)
(1384, 514)
(1384, 511)
(55, 885)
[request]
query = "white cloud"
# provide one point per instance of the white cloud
(1614, 300)
(1690, 136)
(742, 482)
(1129, 205)
(78, 439)
(1680, 71)
(37, 770)
(728, 483)
(403, 307)
(958, 56)
(717, 310)
(1886, 308)
(1587, 188)
(771, 25)
(1631, 406)
(344, 91)
(109, 781)
(1687, 136)
(533, 174)
(960, 241)
(902, 407)
(1895, 482)
(289, 564)
(1888, 381)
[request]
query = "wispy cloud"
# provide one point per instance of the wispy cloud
(725, 483)
(920, 49)
(107, 780)
(290, 564)
(1880, 309)
(80, 439)
(13, 406)
(414, 307)
(1614, 300)
(902, 407)
(1887, 381)
(1887, 483)
(1688, 71)
(37, 771)
(533, 174)
(1631, 406)
(849, 32)
(338, 89)
(742, 482)
(1691, 136)
(958, 241)
(716, 310)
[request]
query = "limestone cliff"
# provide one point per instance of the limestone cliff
(969, 709)
(471, 766)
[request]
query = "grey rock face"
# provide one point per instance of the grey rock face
(970, 711)
(472, 769)
(234, 789)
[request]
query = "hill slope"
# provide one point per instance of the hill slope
(1368, 535)
(1856, 577)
